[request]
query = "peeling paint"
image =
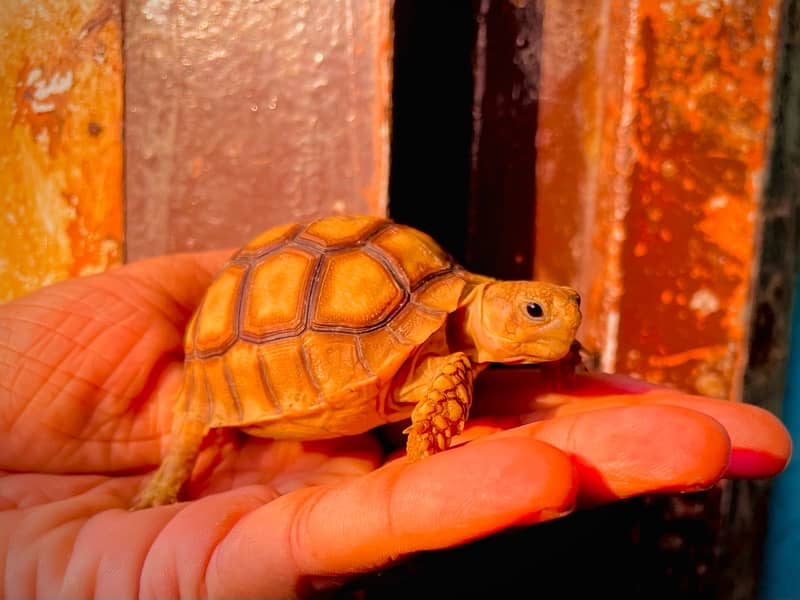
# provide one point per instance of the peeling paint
(58, 84)
(60, 151)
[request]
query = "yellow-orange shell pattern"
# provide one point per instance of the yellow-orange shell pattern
(304, 328)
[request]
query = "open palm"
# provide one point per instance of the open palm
(88, 373)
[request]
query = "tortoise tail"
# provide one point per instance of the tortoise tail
(176, 467)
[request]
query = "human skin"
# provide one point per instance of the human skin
(88, 371)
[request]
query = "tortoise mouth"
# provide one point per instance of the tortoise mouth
(545, 350)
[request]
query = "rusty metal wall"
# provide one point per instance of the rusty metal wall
(243, 114)
(60, 141)
(654, 136)
(654, 143)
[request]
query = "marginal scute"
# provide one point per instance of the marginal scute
(336, 230)
(356, 291)
(195, 405)
(277, 292)
(215, 324)
(384, 352)
(416, 324)
(417, 254)
(285, 368)
(270, 237)
(255, 391)
(327, 348)
(441, 294)
(224, 392)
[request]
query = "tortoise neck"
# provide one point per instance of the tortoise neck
(463, 325)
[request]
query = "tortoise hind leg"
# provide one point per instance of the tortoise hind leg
(166, 483)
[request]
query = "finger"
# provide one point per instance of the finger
(622, 452)
(516, 390)
(761, 445)
(443, 500)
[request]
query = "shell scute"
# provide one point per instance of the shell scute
(256, 393)
(440, 294)
(339, 230)
(324, 349)
(288, 373)
(356, 291)
(218, 326)
(272, 237)
(277, 292)
(414, 323)
(417, 255)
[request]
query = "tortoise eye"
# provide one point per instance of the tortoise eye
(534, 310)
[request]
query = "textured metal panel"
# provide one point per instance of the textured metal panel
(653, 139)
(653, 142)
(60, 141)
(243, 114)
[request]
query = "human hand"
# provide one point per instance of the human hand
(88, 371)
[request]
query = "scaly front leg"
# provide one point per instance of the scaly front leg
(441, 414)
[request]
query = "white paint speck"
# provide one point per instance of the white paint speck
(704, 301)
(42, 107)
(718, 202)
(58, 84)
(43, 138)
(156, 11)
(33, 76)
(707, 8)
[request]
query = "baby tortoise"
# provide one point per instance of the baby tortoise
(334, 327)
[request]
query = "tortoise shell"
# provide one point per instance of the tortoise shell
(301, 332)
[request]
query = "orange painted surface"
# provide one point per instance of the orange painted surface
(60, 142)
(653, 139)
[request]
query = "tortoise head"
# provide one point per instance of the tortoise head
(521, 321)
